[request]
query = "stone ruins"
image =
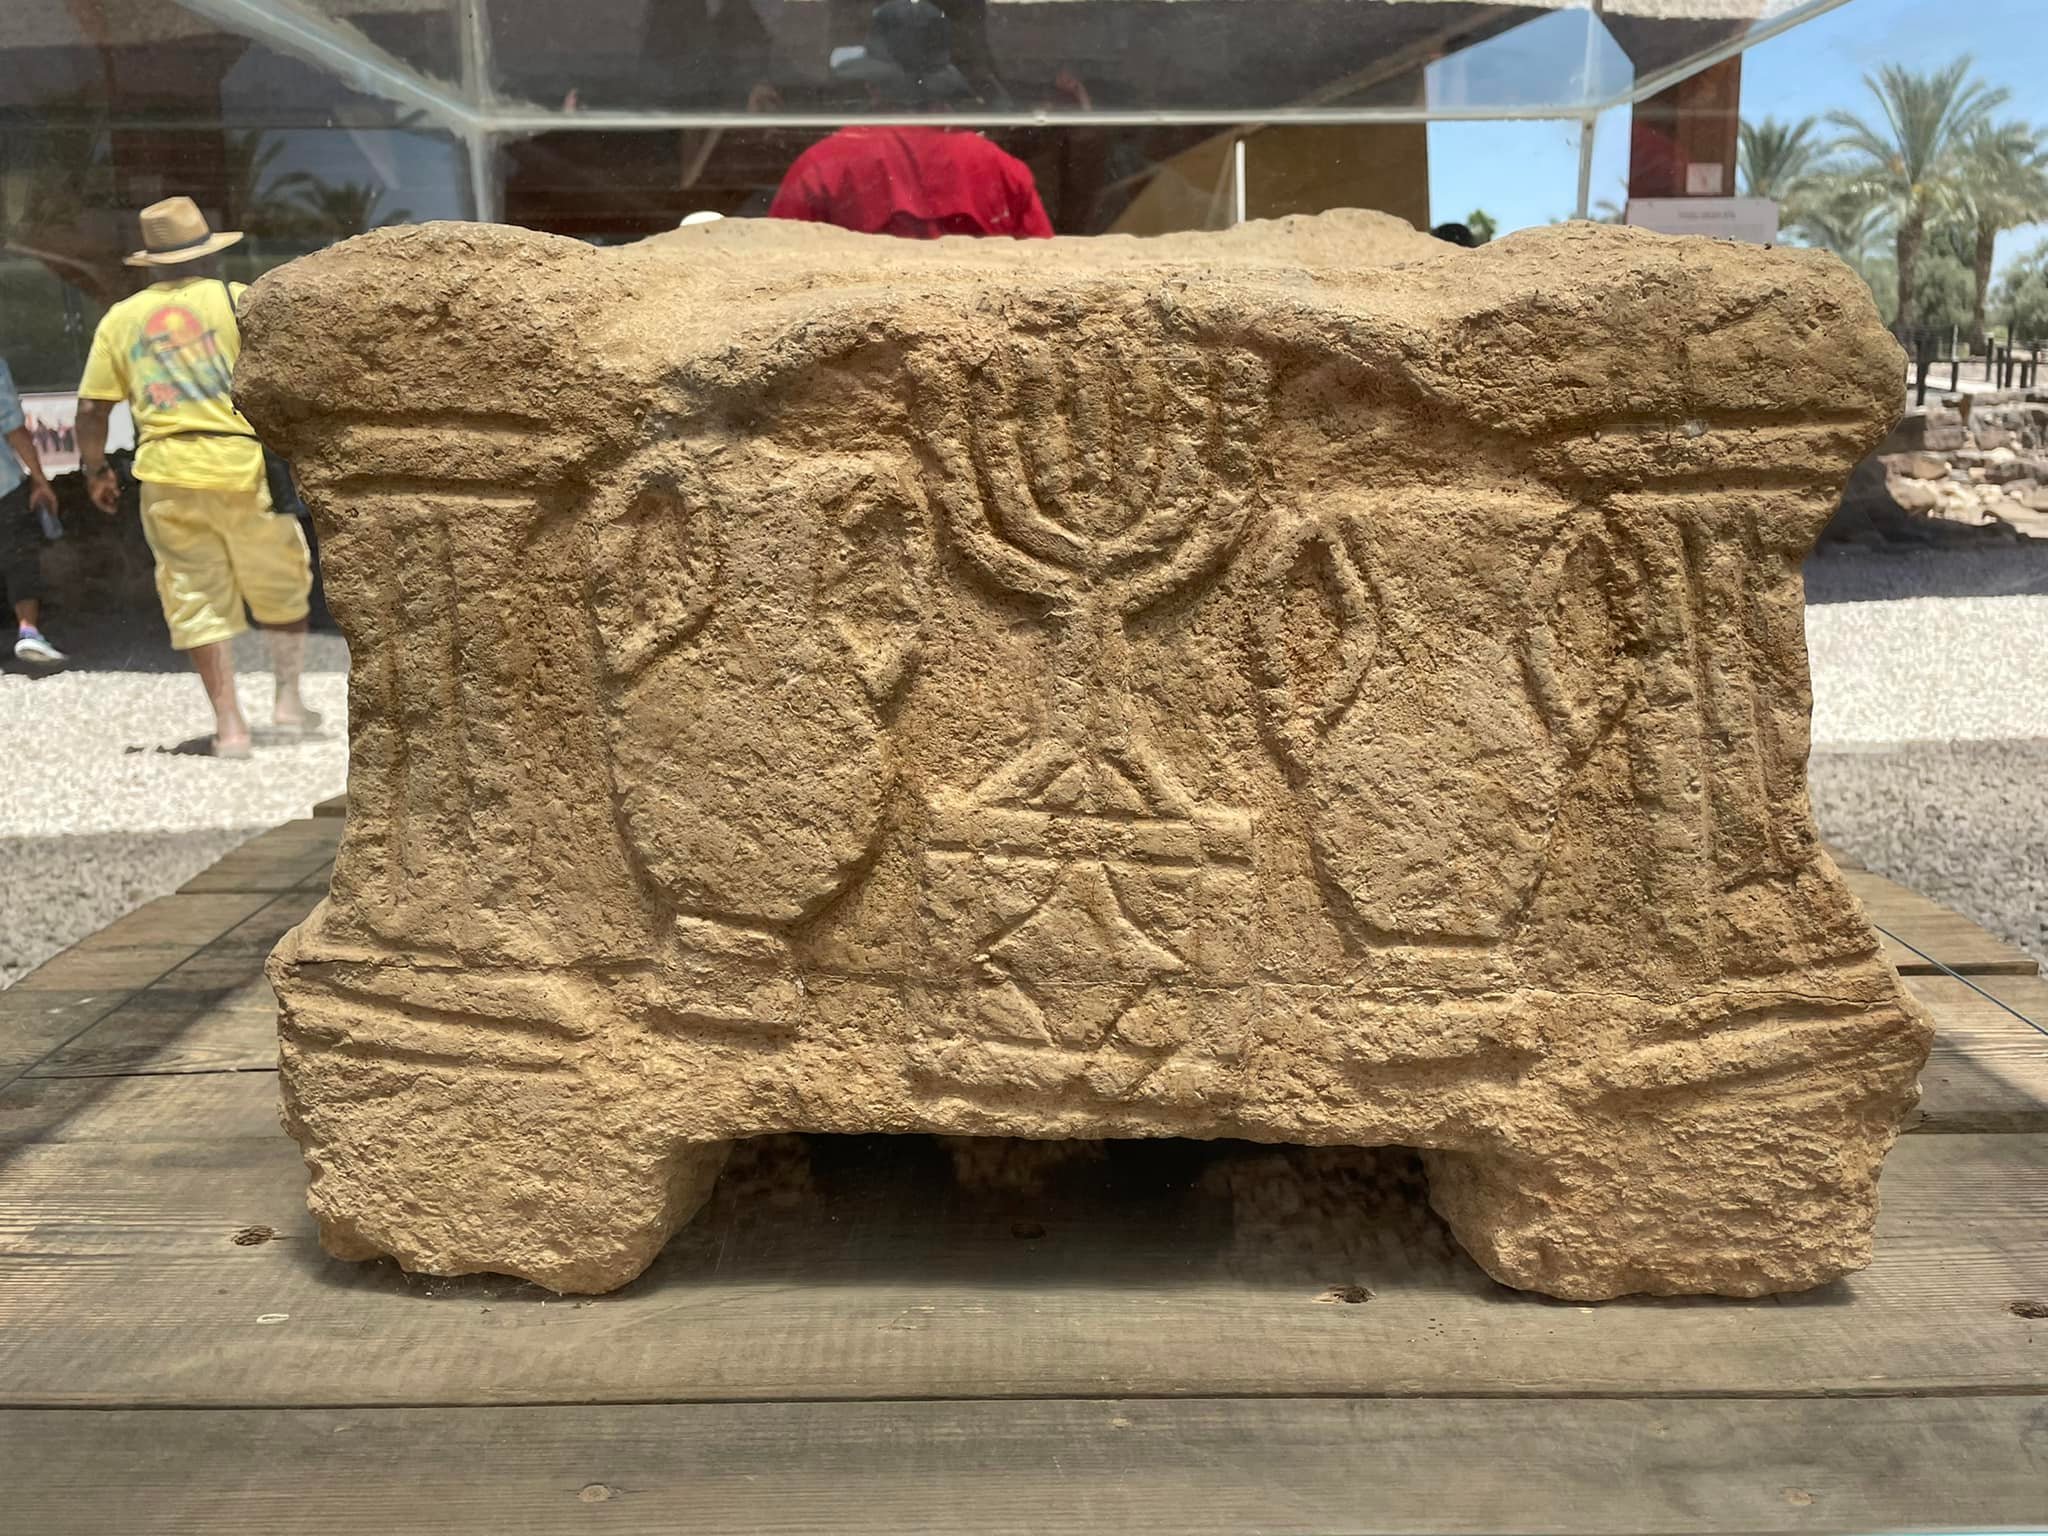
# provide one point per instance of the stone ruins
(1308, 683)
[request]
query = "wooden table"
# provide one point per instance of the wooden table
(894, 1335)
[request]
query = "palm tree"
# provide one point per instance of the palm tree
(47, 213)
(1908, 165)
(255, 197)
(1840, 220)
(2023, 295)
(2004, 185)
(1777, 160)
(1606, 210)
(336, 210)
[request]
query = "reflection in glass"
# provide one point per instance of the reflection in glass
(106, 109)
(1224, 58)
(303, 121)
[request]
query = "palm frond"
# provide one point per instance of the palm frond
(1774, 159)
(2003, 175)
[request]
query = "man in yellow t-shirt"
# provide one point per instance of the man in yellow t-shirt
(170, 351)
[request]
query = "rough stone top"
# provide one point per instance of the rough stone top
(1537, 333)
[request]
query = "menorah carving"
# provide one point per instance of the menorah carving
(1095, 482)
(811, 683)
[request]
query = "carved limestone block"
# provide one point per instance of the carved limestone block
(1308, 683)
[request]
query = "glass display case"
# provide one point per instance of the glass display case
(304, 121)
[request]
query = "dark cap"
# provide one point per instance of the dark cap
(908, 54)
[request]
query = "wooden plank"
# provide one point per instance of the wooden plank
(135, 950)
(171, 1029)
(334, 806)
(304, 835)
(33, 1024)
(236, 957)
(213, 1107)
(277, 860)
(213, 1012)
(1941, 935)
(835, 1268)
(1988, 1071)
(1060, 1466)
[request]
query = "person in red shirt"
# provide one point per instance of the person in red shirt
(915, 181)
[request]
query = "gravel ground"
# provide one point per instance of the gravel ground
(1849, 575)
(1930, 762)
(1930, 724)
(59, 889)
(101, 812)
(1963, 822)
(1929, 669)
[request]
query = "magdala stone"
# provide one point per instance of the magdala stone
(1307, 683)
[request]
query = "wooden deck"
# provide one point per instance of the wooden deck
(860, 1334)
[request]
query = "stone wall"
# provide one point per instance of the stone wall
(1978, 461)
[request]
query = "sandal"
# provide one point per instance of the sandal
(303, 729)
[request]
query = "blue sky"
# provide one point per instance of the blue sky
(1527, 172)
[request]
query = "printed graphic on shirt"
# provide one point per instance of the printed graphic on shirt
(177, 358)
(170, 352)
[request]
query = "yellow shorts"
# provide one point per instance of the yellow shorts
(215, 551)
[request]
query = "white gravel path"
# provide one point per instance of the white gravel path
(97, 745)
(1930, 724)
(98, 815)
(1929, 669)
(1962, 822)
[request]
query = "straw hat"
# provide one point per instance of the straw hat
(175, 231)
